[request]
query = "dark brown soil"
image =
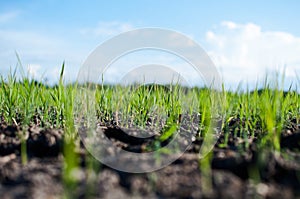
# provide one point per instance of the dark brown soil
(236, 173)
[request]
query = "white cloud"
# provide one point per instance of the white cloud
(34, 70)
(8, 16)
(41, 54)
(244, 52)
(145, 63)
(107, 29)
(229, 24)
(44, 53)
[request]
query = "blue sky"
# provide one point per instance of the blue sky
(244, 39)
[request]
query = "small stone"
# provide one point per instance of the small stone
(262, 189)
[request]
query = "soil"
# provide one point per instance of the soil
(235, 173)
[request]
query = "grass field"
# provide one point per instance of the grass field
(264, 117)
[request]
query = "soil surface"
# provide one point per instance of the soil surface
(235, 173)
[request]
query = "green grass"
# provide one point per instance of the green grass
(261, 112)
